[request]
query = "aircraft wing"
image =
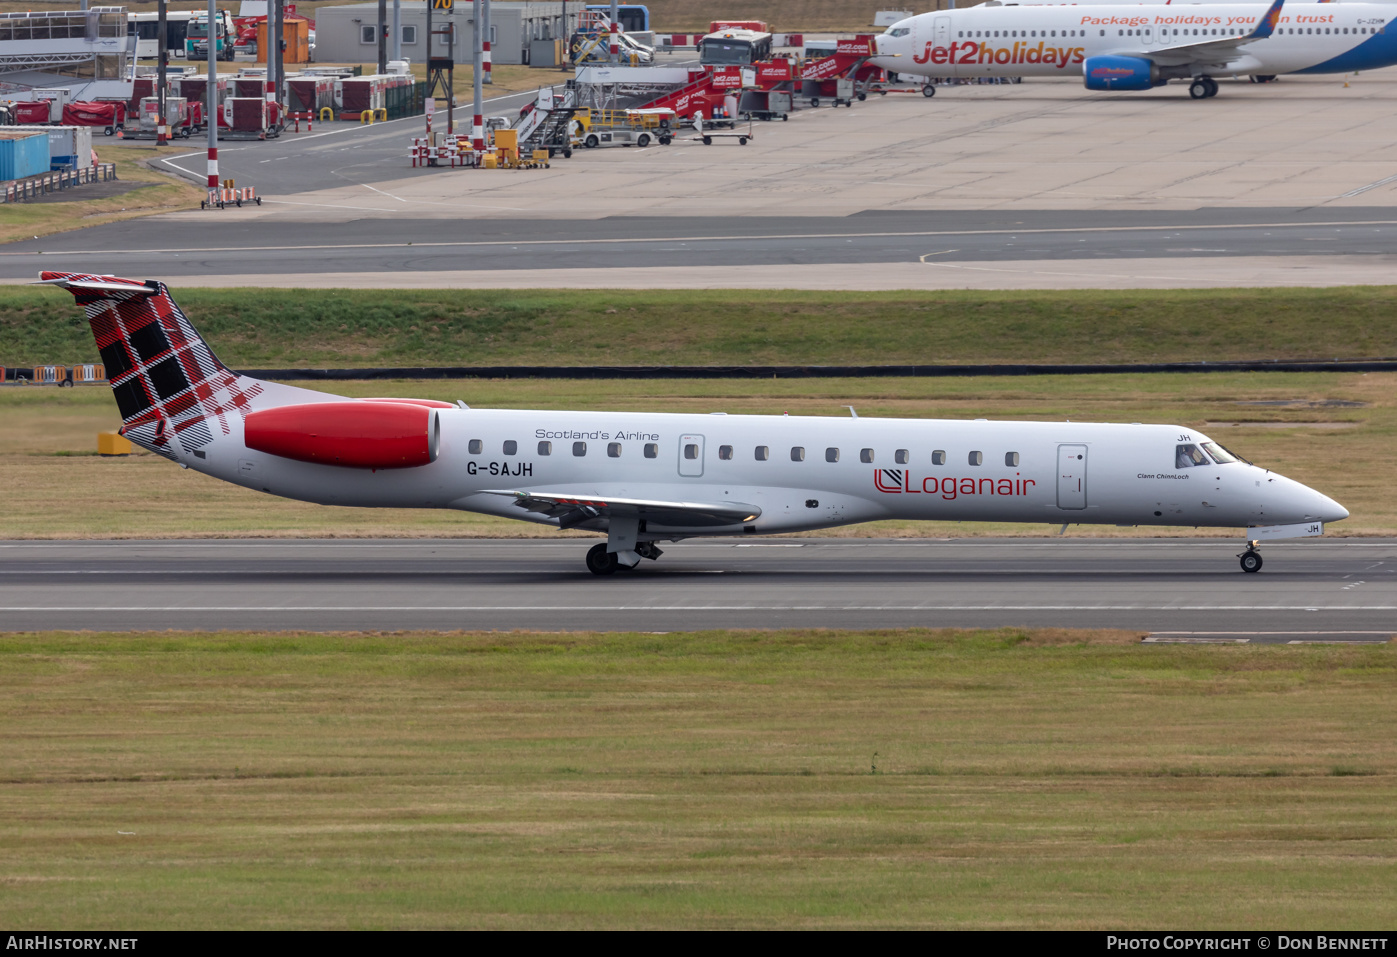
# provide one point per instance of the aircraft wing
(1214, 51)
(571, 509)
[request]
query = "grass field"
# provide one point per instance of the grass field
(315, 328)
(1337, 433)
(20, 221)
(814, 779)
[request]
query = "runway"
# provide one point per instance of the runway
(177, 249)
(1334, 590)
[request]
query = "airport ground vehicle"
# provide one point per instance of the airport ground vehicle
(735, 47)
(196, 42)
(1133, 48)
(644, 478)
(600, 128)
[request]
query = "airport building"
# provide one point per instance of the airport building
(348, 34)
(87, 51)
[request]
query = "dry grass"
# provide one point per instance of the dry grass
(56, 489)
(726, 779)
(167, 192)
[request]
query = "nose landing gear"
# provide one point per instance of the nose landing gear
(1251, 559)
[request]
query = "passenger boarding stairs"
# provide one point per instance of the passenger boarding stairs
(545, 125)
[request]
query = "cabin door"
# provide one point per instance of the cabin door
(1071, 476)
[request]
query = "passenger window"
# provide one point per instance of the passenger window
(797, 454)
(613, 450)
(938, 457)
(652, 450)
(725, 452)
(902, 457)
(691, 451)
(545, 448)
(475, 446)
(1011, 459)
(866, 456)
(1188, 456)
(579, 449)
(511, 447)
(763, 453)
(831, 455)
(977, 458)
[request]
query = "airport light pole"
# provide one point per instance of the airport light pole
(212, 113)
(382, 37)
(398, 28)
(161, 53)
(477, 124)
(485, 49)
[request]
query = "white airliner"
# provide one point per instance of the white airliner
(643, 478)
(1138, 47)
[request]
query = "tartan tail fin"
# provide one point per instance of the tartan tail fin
(172, 392)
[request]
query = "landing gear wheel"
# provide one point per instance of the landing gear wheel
(1251, 561)
(1198, 89)
(1212, 85)
(600, 561)
(929, 91)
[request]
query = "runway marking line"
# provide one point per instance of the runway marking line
(717, 239)
(653, 608)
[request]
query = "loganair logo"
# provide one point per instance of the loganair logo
(973, 54)
(899, 482)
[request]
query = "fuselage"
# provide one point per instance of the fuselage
(805, 473)
(1057, 40)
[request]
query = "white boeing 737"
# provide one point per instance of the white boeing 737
(643, 478)
(1138, 47)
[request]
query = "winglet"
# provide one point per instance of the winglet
(1267, 26)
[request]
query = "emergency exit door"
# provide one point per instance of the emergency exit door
(691, 455)
(1071, 476)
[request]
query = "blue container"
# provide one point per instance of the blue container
(23, 154)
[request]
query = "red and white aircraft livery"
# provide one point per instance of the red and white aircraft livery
(1137, 47)
(643, 478)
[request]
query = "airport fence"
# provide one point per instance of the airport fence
(20, 190)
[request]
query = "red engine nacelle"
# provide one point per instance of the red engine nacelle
(357, 435)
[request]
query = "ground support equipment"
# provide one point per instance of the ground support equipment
(229, 196)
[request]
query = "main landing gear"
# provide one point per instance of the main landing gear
(1251, 559)
(1203, 87)
(602, 562)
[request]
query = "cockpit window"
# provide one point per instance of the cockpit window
(1220, 455)
(1188, 455)
(899, 31)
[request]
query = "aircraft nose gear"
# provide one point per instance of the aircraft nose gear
(1251, 559)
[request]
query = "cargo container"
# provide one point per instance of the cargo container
(70, 147)
(245, 114)
(195, 89)
(108, 115)
(250, 86)
(35, 112)
(307, 93)
(177, 116)
(23, 153)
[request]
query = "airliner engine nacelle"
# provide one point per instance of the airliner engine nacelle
(357, 435)
(1111, 73)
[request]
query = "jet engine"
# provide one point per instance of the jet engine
(1120, 73)
(357, 435)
